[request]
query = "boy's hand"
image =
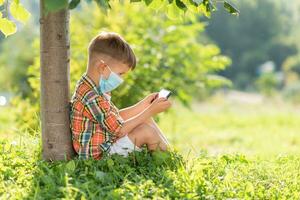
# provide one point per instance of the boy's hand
(159, 105)
(148, 99)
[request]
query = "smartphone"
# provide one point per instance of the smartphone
(163, 93)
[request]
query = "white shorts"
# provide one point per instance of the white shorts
(123, 146)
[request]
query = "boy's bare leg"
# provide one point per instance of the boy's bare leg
(147, 134)
(152, 123)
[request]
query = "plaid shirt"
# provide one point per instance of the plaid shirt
(95, 120)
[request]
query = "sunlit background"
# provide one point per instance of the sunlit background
(234, 120)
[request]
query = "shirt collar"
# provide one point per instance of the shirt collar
(91, 83)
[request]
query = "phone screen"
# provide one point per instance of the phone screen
(164, 93)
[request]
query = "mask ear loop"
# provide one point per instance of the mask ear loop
(105, 64)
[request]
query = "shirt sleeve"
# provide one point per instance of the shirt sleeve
(84, 149)
(103, 112)
(83, 152)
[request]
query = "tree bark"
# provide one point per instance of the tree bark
(55, 84)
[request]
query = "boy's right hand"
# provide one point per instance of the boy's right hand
(159, 105)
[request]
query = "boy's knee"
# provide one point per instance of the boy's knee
(150, 122)
(147, 131)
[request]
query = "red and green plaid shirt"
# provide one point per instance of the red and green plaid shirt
(95, 120)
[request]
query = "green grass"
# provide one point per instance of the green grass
(142, 176)
(262, 130)
(223, 151)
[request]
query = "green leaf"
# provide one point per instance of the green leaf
(70, 166)
(55, 5)
(132, 1)
(192, 7)
(231, 9)
(104, 5)
(181, 5)
(7, 27)
(19, 12)
(173, 12)
(110, 163)
(73, 4)
(147, 2)
(100, 175)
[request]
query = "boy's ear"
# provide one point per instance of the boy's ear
(100, 66)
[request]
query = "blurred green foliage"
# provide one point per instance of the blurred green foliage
(267, 83)
(16, 55)
(292, 92)
(291, 69)
(25, 114)
(264, 31)
(169, 53)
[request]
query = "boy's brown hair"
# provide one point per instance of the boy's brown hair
(112, 44)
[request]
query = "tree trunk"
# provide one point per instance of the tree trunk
(55, 84)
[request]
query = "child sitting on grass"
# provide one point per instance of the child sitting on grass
(97, 125)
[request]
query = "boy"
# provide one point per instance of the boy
(96, 123)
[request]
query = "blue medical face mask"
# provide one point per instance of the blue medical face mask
(113, 81)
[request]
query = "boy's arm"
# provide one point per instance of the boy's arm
(131, 111)
(101, 111)
(112, 121)
(133, 122)
(156, 107)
